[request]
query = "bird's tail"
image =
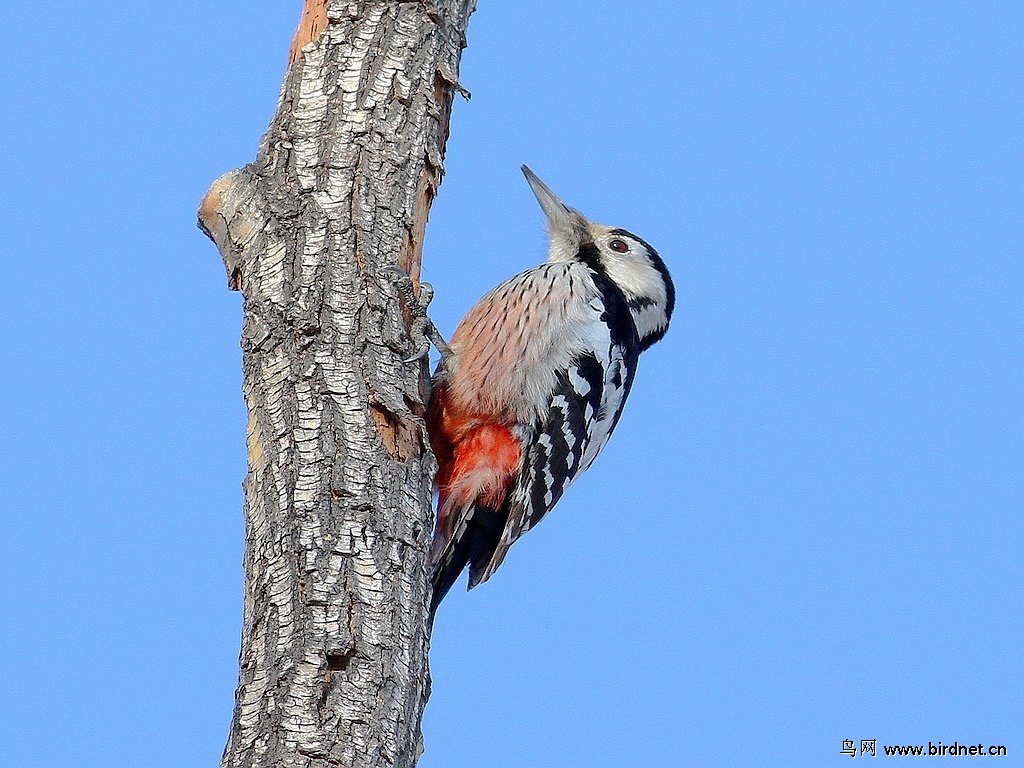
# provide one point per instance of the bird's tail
(474, 538)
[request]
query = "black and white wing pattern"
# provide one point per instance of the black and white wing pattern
(582, 413)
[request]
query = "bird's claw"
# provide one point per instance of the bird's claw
(422, 331)
(424, 349)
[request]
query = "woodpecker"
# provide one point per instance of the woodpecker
(533, 384)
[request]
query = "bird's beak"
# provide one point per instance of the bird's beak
(564, 223)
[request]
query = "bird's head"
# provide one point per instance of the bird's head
(628, 261)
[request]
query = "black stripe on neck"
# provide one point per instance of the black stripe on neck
(591, 256)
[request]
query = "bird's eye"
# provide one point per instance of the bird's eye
(619, 246)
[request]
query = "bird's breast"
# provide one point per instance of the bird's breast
(514, 341)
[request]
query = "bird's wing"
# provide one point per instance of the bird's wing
(581, 415)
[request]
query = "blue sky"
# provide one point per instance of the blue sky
(807, 527)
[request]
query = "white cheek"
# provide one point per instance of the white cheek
(636, 278)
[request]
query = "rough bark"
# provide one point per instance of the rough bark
(333, 664)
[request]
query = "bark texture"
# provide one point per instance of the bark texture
(333, 665)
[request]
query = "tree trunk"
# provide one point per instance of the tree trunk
(333, 665)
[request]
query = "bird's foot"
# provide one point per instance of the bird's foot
(422, 331)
